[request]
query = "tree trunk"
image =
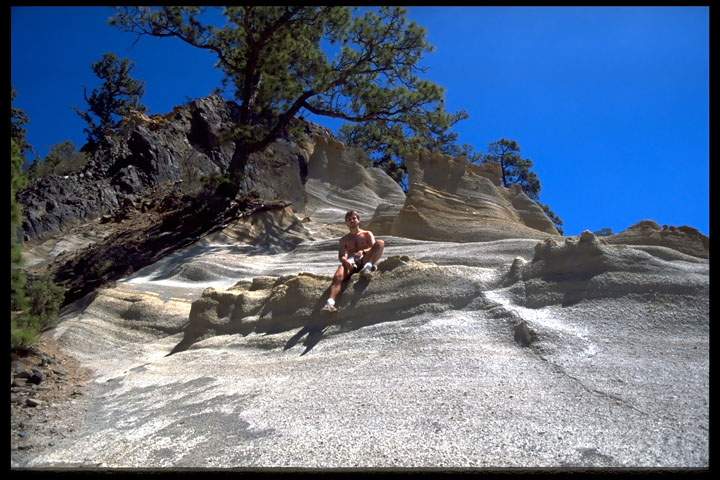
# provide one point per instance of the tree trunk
(502, 169)
(238, 164)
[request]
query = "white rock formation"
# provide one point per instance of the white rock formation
(648, 233)
(480, 354)
(515, 348)
(341, 179)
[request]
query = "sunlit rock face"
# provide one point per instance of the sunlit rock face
(183, 146)
(452, 200)
(683, 239)
(509, 353)
(341, 179)
(587, 267)
(484, 339)
(399, 289)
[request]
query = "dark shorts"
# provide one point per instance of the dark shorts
(357, 264)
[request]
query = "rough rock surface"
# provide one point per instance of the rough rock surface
(341, 179)
(510, 353)
(174, 221)
(683, 239)
(271, 305)
(182, 146)
(44, 413)
(500, 344)
(450, 199)
(581, 269)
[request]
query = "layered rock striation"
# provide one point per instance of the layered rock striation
(578, 269)
(647, 233)
(561, 343)
(341, 179)
(450, 199)
(276, 304)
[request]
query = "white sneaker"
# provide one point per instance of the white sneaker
(367, 270)
(329, 308)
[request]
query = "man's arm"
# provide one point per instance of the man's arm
(343, 253)
(371, 237)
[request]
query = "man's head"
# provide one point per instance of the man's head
(352, 219)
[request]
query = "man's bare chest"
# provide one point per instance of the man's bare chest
(357, 242)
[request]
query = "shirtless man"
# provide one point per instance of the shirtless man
(359, 252)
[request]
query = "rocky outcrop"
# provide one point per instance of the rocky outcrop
(560, 272)
(124, 210)
(576, 269)
(178, 221)
(276, 304)
(452, 200)
(341, 179)
(683, 239)
(183, 146)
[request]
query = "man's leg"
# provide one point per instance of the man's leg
(375, 252)
(341, 274)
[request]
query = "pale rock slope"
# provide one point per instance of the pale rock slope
(482, 354)
(340, 179)
(489, 341)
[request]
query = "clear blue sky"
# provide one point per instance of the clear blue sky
(611, 103)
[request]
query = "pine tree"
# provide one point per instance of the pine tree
(35, 303)
(272, 56)
(18, 120)
(516, 170)
(113, 99)
(18, 301)
(553, 217)
(18, 145)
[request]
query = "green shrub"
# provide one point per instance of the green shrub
(24, 330)
(44, 298)
(18, 300)
(34, 302)
(63, 159)
(210, 182)
(36, 308)
(102, 269)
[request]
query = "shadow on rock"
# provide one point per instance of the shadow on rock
(268, 305)
(322, 320)
(314, 335)
(400, 288)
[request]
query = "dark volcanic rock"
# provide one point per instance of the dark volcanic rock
(183, 146)
(175, 221)
(54, 202)
(36, 377)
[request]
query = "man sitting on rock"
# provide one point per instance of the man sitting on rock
(359, 252)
